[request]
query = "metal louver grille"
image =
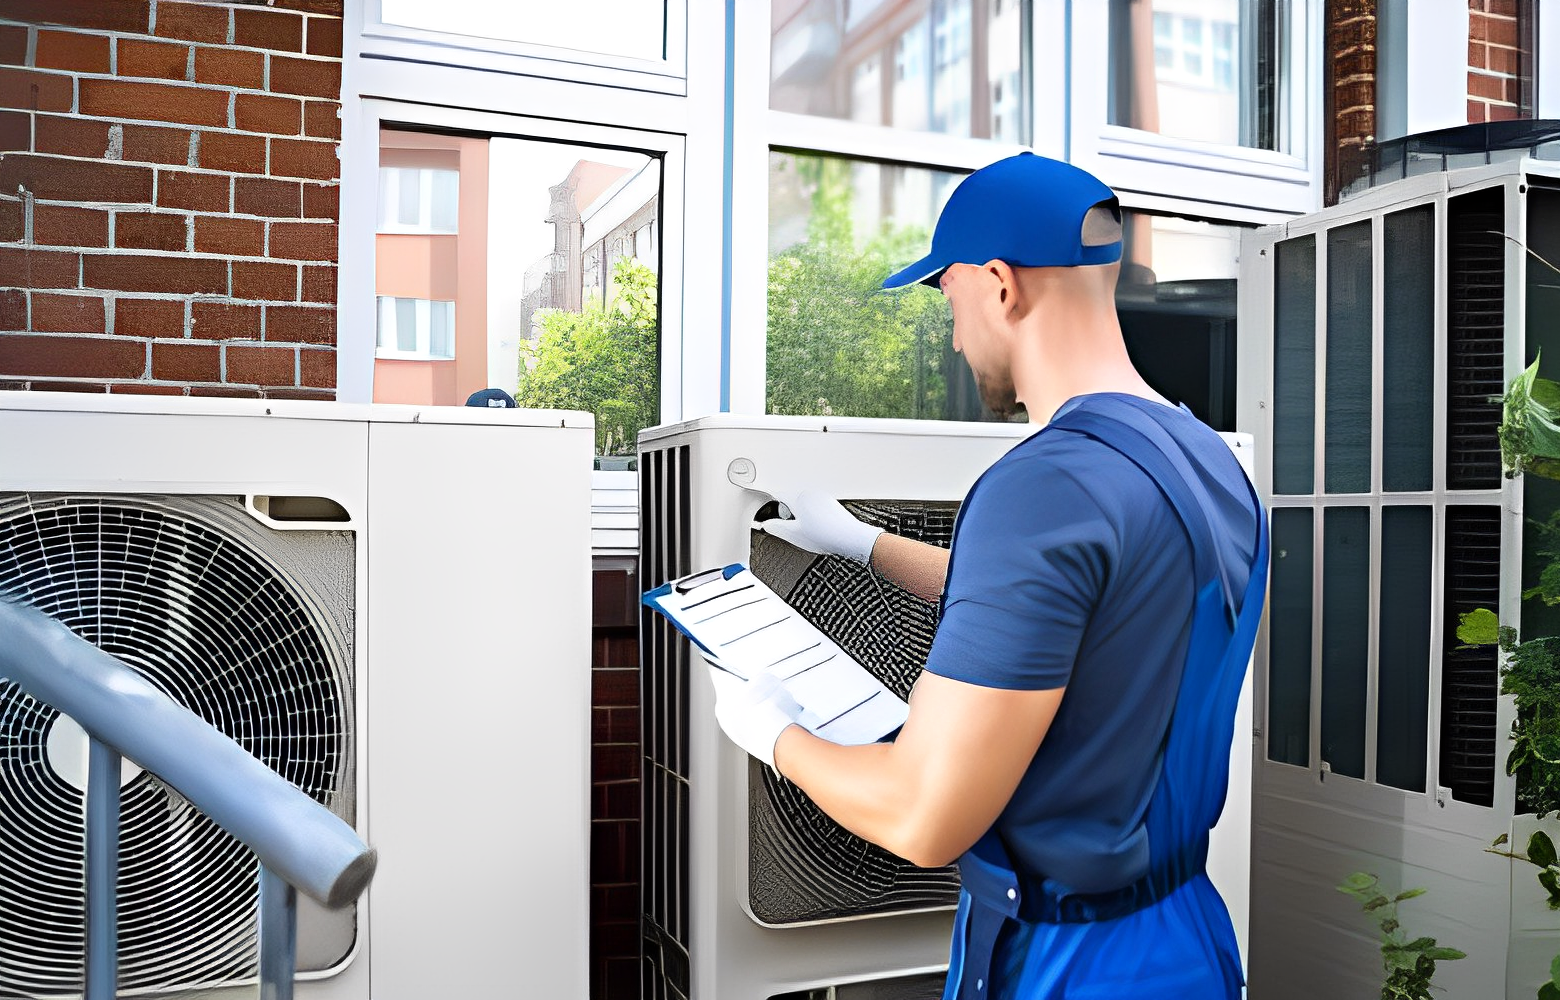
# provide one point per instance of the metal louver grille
(664, 539)
(183, 592)
(802, 866)
(1468, 674)
(1476, 318)
(923, 987)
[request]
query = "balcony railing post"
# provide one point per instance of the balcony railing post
(278, 936)
(102, 872)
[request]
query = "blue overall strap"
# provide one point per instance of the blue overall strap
(995, 891)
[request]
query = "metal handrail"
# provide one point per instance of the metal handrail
(301, 844)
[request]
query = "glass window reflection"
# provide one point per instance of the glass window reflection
(1198, 69)
(947, 66)
(839, 345)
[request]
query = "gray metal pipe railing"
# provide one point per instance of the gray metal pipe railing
(300, 843)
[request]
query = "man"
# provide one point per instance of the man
(1068, 741)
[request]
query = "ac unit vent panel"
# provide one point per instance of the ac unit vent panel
(247, 627)
(803, 866)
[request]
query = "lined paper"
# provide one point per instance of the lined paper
(744, 628)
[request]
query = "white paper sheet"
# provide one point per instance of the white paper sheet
(742, 627)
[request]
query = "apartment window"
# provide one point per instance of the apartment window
(1207, 70)
(418, 200)
(956, 65)
(419, 329)
(1371, 513)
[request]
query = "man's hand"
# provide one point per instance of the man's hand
(753, 713)
(823, 526)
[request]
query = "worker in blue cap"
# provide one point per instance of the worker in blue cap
(1068, 743)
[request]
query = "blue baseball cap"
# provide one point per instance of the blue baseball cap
(1027, 210)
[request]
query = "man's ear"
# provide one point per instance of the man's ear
(1007, 290)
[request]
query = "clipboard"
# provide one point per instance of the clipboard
(743, 628)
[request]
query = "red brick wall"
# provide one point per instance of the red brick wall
(615, 754)
(1499, 60)
(1350, 93)
(168, 196)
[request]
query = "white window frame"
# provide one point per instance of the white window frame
(668, 75)
(1204, 178)
(424, 310)
(431, 85)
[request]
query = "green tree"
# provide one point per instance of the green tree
(603, 359)
(837, 343)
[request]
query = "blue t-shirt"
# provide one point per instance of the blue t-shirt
(1070, 569)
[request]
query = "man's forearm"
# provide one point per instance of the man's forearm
(916, 566)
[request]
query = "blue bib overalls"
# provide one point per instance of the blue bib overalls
(1000, 905)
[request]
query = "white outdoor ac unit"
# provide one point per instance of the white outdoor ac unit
(748, 891)
(1377, 337)
(388, 604)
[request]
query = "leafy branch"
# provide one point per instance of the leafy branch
(1409, 964)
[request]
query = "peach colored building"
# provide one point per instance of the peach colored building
(424, 262)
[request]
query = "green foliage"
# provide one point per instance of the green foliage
(1409, 964)
(602, 359)
(837, 343)
(1479, 627)
(1541, 855)
(1531, 675)
(1530, 426)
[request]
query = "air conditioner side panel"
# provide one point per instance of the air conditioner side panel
(478, 762)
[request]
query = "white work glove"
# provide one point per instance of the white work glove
(755, 712)
(823, 526)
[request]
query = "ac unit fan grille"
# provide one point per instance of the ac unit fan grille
(1476, 337)
(1469, 676)
(179, 590)
(803, 866)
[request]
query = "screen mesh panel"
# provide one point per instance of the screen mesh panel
(1469, 676)
(1475, 348)
(248, 628)
(664, 539)
(802, 866)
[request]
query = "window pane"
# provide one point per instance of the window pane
(526, 313)
(1289, 638)
(446, 201)
(947, 73)
(406, 325)
(1294, 366)
(408, 204)
(1403, 638)
(384, 320)
(1349, 351)
(634, 28)
(1408, 337)
(1345, 636)
(441, 333)
(837, 343)
(1177, 67)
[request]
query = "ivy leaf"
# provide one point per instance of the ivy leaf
(1549, 991)
(1409, 894)
(1444, 954)
(1478, 627)
(1530, 426)
(1502, 839)
(1541, 850)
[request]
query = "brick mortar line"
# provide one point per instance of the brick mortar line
(116, 37)
(191, 299)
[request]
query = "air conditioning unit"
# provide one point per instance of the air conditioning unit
(748, 891)
(1377, 337)
(389, 605)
